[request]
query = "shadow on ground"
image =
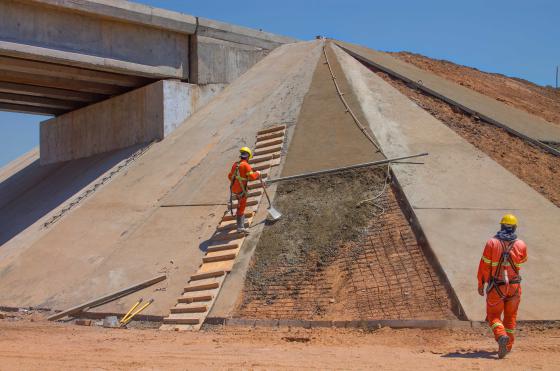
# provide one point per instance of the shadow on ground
(472, 354)
(36, 190)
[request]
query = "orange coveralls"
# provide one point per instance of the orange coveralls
(241, 173)
(502, 297)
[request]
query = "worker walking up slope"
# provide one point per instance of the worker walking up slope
(499, 268)
(241, 173)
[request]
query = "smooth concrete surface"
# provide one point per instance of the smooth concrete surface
(34, 194)
(459, 195)
(216, 61)
(483, 106)
(120, 234)
(140, 116)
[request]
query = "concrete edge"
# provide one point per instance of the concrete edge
(466, 109)
(350, 324)
(127, 11)
(410, 215)
(371, 324)
(38, 53)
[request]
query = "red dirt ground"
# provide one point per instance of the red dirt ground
(42, 345)
(538, 100)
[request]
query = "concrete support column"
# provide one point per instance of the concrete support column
(140, 116)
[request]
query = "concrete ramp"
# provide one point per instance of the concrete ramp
(458, 196)
(122, 234)
(512, 119)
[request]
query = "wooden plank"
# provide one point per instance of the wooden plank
(109, 297)
(230, 225)
(264, 166)
(228, 217)
(191, 309)
(249, 203)
(265, 151)
(197, 286)
(226, 265)
(270, 136)
(275, 162)
(257, 159)
(181, 321)
(271, 129)
(226, 236)
(218, 258)
(195, 298)
(204, 275)
(269, 143)
(217, 248)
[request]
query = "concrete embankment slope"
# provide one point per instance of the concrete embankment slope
(121, 235)
(487, 108)
(458, 196)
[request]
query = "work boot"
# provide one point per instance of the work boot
(502, 346)
(241, 225)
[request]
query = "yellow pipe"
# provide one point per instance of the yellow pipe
(125, 317)
(137, 311)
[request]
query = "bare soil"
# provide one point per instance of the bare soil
(522, 94)
(536, 167)
(42, 345)
(343, 250)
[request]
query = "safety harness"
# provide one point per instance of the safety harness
(237, 176)
(240, 179)
(505, 261)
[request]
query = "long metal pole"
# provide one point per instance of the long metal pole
(557, 77)
(357, 166)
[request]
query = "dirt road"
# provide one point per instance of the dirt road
(47, 346)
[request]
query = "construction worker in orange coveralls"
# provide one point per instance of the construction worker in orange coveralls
(241, 173)
(499, 269)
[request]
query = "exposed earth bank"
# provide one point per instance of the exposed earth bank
(522, 94)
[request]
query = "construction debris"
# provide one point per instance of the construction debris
(107, 298)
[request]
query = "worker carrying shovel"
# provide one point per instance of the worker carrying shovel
(499, 268)
(241, 173)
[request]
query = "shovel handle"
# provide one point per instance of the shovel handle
(265, 192)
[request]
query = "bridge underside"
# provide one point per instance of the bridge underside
(52, 89)
(60, 55)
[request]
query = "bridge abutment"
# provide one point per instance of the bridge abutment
(139, 116)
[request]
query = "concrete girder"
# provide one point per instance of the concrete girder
(10, 107)
(92, 62)
(60, 83)
(27, 100)
(74, 73)
(40, 91)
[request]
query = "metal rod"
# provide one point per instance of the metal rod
(357, 166)
(557, 77)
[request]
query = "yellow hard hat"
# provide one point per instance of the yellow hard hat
(509, 219)
(246, 150)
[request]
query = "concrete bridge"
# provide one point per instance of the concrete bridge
(58, 56)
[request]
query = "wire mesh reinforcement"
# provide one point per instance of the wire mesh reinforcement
(384, 274)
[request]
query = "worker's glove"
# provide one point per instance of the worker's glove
(481, 290)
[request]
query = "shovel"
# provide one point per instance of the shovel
(273, 214)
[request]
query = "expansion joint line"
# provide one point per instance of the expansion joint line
(91, 190)
(348, 109)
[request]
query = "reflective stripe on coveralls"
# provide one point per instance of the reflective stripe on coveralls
(502, 299)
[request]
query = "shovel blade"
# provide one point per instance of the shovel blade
(273, 214)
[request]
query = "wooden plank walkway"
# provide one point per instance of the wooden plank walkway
(203, 287)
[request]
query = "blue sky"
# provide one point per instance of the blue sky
(516, 38)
